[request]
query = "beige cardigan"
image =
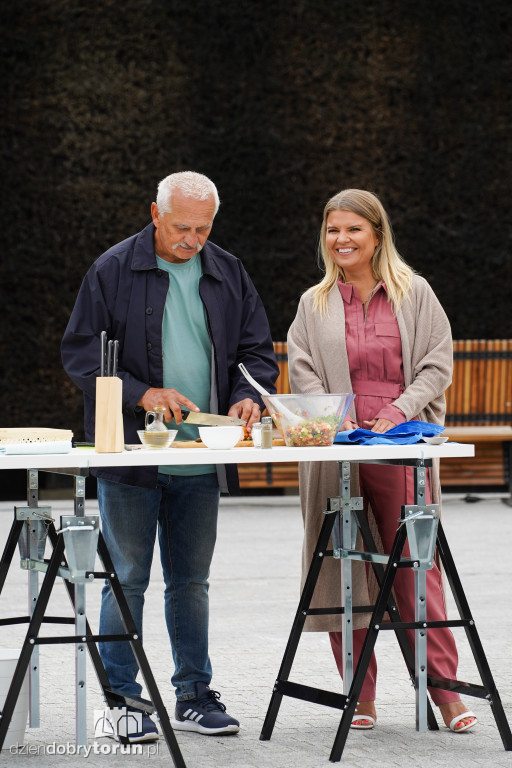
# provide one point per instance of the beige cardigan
(318, 362)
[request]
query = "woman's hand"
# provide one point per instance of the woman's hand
(349, 424)
(379, 425)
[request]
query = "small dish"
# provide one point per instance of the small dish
(220, 437)
(157, 439)
(437, 440)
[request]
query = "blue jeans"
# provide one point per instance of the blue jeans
(185, 509)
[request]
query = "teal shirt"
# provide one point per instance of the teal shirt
(187, 348)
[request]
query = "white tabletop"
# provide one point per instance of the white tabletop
(85, 458)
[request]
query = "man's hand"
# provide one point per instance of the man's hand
(247, 410)
(170, 398)
(379, 425)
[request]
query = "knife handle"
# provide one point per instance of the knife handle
(184, 415)
(109, 360)
(103, 351)
(115, 357)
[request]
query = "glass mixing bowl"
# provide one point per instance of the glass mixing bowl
(308, 419)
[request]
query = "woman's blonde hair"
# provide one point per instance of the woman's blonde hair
(387, 264)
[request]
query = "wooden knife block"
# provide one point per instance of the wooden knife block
(109, 431)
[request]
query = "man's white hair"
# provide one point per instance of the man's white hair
(191, 184)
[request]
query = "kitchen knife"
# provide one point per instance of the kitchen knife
(115, 357)
(103, 353)
(110, 347)
(211, 419)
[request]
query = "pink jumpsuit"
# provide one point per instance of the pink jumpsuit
(375, 359)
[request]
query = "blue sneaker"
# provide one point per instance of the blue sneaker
(130, 722)
(204, 714)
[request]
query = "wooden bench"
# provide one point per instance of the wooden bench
(492, 465)
(479, 411)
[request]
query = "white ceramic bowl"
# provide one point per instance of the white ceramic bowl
(220, 437)
(157, 439)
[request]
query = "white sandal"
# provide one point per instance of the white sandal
(465, 727)
(366, 727)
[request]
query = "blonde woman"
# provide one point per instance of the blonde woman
(373, 327)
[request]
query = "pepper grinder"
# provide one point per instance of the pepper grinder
(266, 432)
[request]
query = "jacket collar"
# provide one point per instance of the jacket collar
(144, 249)
(144, 254)
(209, 262)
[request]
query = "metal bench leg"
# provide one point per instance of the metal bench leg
(507, 461)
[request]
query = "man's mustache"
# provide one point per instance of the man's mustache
(196, 247)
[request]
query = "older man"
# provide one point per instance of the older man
(185, 313)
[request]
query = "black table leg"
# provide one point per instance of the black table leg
(380, 609)
(298, 624)
(474, 639)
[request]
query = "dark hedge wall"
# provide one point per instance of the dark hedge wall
(282, 104)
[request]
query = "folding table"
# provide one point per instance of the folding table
(418, 523)
(79, 539)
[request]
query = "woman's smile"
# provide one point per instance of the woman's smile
(350, 240)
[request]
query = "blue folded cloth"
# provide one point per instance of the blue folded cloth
(403, 434)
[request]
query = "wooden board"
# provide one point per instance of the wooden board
(200, 444)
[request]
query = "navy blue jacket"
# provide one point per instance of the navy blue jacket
(124, 293)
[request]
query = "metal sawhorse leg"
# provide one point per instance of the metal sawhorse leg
(420, 524)
(81, 539)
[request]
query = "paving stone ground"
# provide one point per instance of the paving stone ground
(254, 593)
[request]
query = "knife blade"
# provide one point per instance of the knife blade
(211, 419)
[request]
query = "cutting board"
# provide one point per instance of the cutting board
(200, 444)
